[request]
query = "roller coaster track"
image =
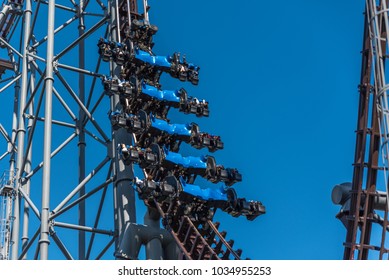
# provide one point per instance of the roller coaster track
(200, 240)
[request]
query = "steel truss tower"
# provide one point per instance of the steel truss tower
(69, 173)
(365, 201)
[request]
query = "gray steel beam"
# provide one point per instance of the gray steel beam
(83, 228)
(79, 70)
(49, 80)
(61, 246)
(82, 107)
(29, 202)
(69, 21)
(80, 185)
(4, 155)
(105, 248)
(81, 198)
(26, 185)
(10, 47)
(62, 7)
(80, 127)
(28, 245)
(10, 83)
(21, 130)
(82, 38)
(95, 137)
(7, 79)
(96, 223)
(54, 153)
(60, 123)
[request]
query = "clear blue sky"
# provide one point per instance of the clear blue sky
(281, 78)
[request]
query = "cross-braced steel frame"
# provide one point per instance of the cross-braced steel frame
(56, 88)
(62, 149)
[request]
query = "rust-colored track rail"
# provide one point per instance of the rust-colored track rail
(361, 216)
(200, 240)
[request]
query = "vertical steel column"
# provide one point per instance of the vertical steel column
(124, 194)
(21, 129)
(81, 136)
(44, 232)
(26, 186)
(154, 250)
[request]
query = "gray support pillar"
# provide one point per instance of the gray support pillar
(44, 237)
(154, 245)
(131, 242)
(21, 129)
(124, 194)
(81, 137)
(172, 251)
(26, 212)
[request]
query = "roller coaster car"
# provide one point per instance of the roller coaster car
(145, 158)
(200, 140)
(119, 53)
(209, 196)
(172, 65)
(193, 74)
(150, 29)
(229, 175)
(116, 86)
(143, 33)
(184, 71)
(105, 50)
(177, 68)
(192, 165)
(133, 123)
(137, 123)
(192, 105)
(161, 127)
(212, 142)
(118, 120)
(216, 173)
(146, 188)
(170, 97)
(111, 86)
(161, 191)
(249, 209)
(146, 59)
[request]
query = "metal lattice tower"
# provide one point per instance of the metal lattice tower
(7, 196)
(70, 160)
(365, 201)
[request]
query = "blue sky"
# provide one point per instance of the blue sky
(281, 78)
